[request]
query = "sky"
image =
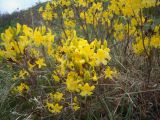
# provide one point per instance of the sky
(9, 6)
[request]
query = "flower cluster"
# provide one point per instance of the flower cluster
(78, 66)
(134, 24)
(72, 64)
(121, 19)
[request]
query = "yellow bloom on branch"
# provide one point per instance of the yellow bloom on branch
(23, 73)
(56, 78)
(108, 73)
(22, 88)
(102, 56)
(40, 62)
(86, 90)
(72, 85)
(75, 104)
(57, 96)
(54, 108)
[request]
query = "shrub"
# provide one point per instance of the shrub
(58, 68)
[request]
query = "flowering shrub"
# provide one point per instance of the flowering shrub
(135, 23)
(70, 65)
(126, 18)
(68, 61)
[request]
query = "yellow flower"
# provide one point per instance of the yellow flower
(155, 41)
(75, 104)
(18, 28)
(40, 62)
(31, 66)
(27, 30)
(40, 9)
(94, 76)
(57, 96)
(86, 75)
(56, 78)
(108, 73)
(139, 46)
(48, 6)
(54, 108)
(22, 87)
(38, 37)
(23, 74)
(75, 99)
(7, 35)
(47, 15)
(72, 82)
(86, 90)
(72, 85)
(102, 55)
